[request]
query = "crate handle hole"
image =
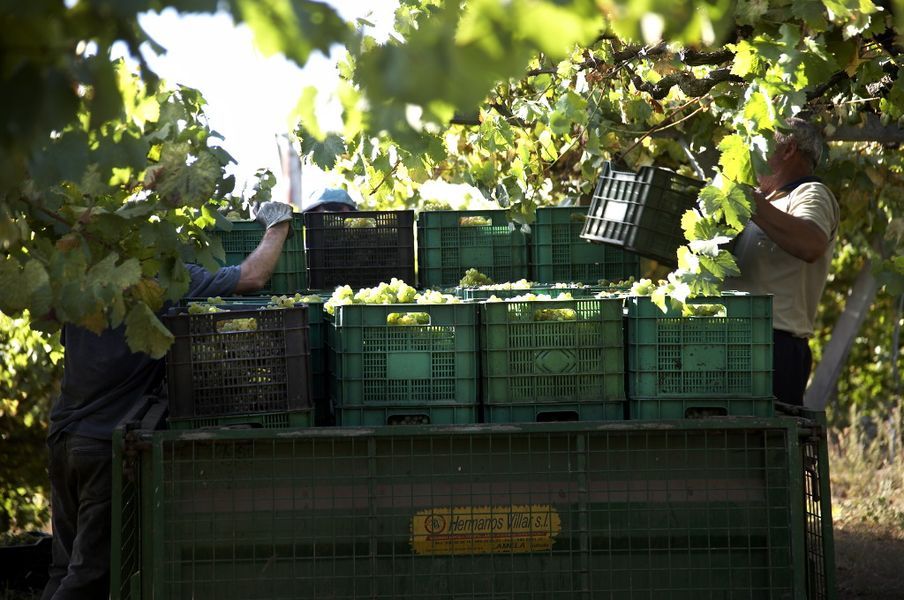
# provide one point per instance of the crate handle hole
(557, 416)
(236, 325)
(555, 314)
(360, 222)
(474, 222)
(414, 419)
(407, 319)
(705, 310)
(703, 412)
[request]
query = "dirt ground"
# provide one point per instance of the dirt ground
(868, 565)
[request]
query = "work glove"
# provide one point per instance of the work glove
(272, 213)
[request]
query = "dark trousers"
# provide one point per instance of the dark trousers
(791, 363)
(81, 488)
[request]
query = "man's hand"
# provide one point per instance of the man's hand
(273, 213)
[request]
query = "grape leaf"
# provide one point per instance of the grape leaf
(736, 206)
(735, 160)
(324, 154)
(720, 266)
(107, 274)
(15, 295)
(145, 333)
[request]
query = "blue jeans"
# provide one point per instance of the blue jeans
(81, 488)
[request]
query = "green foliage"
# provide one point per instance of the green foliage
(30, 370)
(112, 213)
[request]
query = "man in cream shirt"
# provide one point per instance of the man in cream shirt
(786, 251)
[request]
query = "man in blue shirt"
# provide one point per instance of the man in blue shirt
(102, 381)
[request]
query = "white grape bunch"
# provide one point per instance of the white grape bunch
(474, 278)
(394, 292)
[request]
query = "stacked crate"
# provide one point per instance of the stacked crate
(577, 290)
(360, 249)
(317, 363)
(450, 242)
(559, 254)
(394, 364)
(699, 366)
(552, 360)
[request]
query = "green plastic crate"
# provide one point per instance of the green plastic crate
(289, 274)
(629, 511)
(697, 408)
(275, 420)
(446, 248)
(554, 412)
(525, 360)
(373, 363)
(425, 414)
(558, 252)
(670, 356)
(641, 212)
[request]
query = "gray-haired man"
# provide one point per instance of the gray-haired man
(787, 249)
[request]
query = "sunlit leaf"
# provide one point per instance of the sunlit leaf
(735, 159)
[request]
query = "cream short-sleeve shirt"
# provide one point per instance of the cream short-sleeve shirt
(795, 284)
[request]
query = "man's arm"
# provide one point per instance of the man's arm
(258, 266)
(798, 237)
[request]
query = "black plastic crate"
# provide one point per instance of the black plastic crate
(317, 364)
(24, 564)
(360, 249)
(215, 369)
(277, 420)
(642, 211)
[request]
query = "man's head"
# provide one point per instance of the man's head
(330, 200)
(798, 149)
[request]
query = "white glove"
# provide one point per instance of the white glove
(273, 213)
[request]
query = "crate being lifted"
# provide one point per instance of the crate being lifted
(289, 273)
(641, 212)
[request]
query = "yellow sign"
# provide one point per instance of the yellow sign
(485, 529)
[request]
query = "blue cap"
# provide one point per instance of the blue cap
(329, 196)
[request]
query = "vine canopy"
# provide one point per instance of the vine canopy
(110, 180)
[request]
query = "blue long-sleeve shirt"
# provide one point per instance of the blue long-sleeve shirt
(103, 378)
